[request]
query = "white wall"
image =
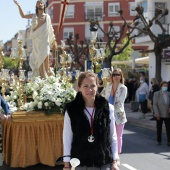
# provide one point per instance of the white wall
(14, 43)
(151, 66)
(166, 71)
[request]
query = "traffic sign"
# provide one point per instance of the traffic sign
(166, 54)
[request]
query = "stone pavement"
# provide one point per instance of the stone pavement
(133, 118)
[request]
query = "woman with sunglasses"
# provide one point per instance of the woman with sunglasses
(115, 92)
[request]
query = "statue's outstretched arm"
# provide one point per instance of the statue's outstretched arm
(21, 11)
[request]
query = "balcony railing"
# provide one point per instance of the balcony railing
(94, 16)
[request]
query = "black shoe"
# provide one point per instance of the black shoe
(153, 118)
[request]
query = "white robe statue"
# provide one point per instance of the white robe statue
(42, 38)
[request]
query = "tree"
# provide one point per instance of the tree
(114, 38)
(125, 55)
(78, 49)
(161, 41)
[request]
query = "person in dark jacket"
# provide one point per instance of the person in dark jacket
(89, 132)
(161, 104)
(155, 87)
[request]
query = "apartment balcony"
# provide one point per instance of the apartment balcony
(94, 16)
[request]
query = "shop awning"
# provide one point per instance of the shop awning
(142, 60)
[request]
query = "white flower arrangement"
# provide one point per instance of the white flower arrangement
(48, 95)
(12, 101)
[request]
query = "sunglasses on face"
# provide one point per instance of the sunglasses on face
(114, 75)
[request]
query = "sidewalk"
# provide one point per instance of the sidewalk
(133, 118)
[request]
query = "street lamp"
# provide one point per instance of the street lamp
(97, 55)
(65, 60)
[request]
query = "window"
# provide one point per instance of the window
(68, 32)
(132, 6)
(70, 11)
(115, 29)
(94, 11)
(113, 9)
(161, 5)
(144, 4)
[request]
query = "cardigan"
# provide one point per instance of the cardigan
(120, 96)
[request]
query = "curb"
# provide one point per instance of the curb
(132, 118)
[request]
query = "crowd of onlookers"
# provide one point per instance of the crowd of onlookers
(157, 96)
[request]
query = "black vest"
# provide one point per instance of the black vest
(99, 152)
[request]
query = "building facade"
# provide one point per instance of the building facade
(81, 11)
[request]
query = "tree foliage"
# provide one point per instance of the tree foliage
(125, 55)
(9, 64)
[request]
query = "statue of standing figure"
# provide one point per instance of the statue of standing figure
(42, 35)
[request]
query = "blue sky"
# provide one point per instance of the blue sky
(10, 19)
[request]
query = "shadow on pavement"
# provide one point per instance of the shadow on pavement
(35, 167)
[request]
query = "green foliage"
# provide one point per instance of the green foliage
(112, 43)
(12, 64)
(98, 68)
(125, 55)
(9, 64)
(107, 52)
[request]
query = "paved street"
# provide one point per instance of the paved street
(139, 149)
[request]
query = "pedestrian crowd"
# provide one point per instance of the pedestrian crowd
(157, 99)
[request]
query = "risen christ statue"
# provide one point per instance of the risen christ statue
(42, 35)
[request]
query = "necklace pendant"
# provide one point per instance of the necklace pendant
(91, 138)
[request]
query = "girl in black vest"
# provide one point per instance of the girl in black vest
(89, 128)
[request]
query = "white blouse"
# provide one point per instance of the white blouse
(68, 134)
(143, 89)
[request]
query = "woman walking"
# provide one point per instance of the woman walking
(115, 92)
(142, 96)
